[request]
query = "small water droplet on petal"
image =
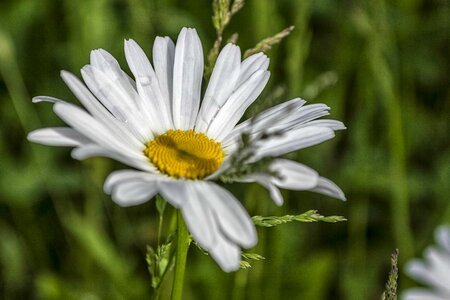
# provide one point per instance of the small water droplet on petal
(144, 80)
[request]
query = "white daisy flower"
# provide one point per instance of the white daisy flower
(179, 144)
(433, 271)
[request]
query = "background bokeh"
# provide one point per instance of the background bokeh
(383, 68)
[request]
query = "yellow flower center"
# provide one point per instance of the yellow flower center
(188, 154)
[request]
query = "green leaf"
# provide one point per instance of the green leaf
(159, 261)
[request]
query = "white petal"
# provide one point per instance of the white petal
(155, 104)
(439, 264)
(104, 61)
(333, 124)
(163, 56)
(267, 182)
(421, 294)
(293, 175)
(264, 120)
(120, 102)
(121, 176)
(175, 192)
(301, 117)
(443, 237)
(57, 136)
(39, 99)
(93, 150)
(329, 188)
(271, 116)
(199, 217)
(251, 64)
(201, 211)
(98, 111)
(233, 219)
(92, 129)
(226, 253)
(133, 192)
(293, 140)
(233, 110)
(187, 79)
(221, 85)
(419, 271)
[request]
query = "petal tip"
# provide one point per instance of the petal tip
(36, 99)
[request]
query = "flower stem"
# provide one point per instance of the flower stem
(183, 241)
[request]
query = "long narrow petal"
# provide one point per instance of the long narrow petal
(422, 294)
(163, 56)
(442, 235)
(293, 140)
(221, 85)
(233, 110)
(175, 192)
(118, 177)
(301, 117)
(329, 188)
(117, 100)
(48, 99)
(57, 136)
(272, 115)
(92, 129)
(105, 62)
(202, 212)
(293, 176)
(199, 217)
(226, 253)
(421, 272)
(155, 104)
(187, 79)
(264, 120)
(439, 262)
(97, 110)
(333, 124)
(134, 192)
(233, 218)
(250, 65)
(94, 150)
(266, 181)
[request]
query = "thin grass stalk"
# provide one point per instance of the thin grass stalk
(384, 79)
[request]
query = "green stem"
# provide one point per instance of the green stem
(183, 241)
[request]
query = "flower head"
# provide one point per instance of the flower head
(433, 270)
(180, 145)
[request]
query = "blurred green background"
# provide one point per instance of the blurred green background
(383, 68)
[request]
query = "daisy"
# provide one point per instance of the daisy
(178, 144)
(433, 271)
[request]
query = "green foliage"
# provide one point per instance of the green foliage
(307, 217)
(382, 67)
(159, 262)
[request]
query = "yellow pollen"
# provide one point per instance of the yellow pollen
(188, 154)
